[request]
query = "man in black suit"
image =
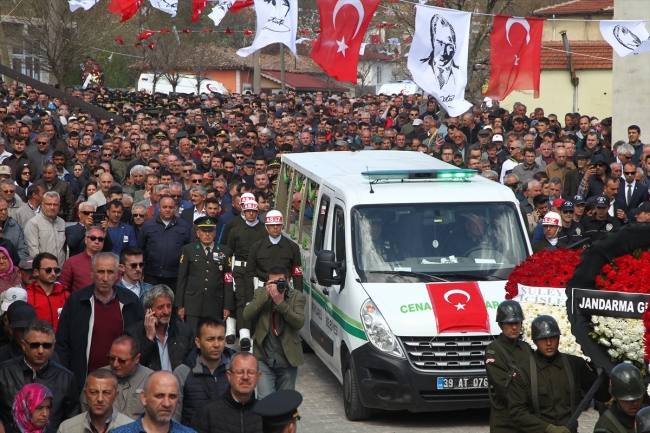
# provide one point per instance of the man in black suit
(197, 197)
(630, 192)
(75, 235)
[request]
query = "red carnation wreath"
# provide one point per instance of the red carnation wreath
(628, 273)
(544, 269)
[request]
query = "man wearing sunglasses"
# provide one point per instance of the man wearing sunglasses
(131, 266)
(74, 273)
(45, 294)
(35, 366)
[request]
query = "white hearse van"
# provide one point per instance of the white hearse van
(405, 259)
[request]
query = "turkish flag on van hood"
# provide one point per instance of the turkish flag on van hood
(343, 24)
(459, 307)
(515, 46)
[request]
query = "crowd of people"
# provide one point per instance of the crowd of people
(132, 255)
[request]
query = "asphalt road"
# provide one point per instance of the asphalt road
(322, 410)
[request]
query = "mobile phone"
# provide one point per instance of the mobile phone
(98, 218)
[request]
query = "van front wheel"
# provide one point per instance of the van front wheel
(354, 409)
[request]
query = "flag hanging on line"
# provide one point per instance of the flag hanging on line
(78, 4)
(627, 38)
(220, 9)
(438, 56)
(168, 6)
(277, 22)
(343, 25)
(126, 8)
(515, 50)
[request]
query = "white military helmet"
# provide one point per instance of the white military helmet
(273, 217)
(552, 219)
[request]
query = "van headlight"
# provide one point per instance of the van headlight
(378, 332)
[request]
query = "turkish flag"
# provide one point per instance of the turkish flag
(343, 24)
(126, 8)
(375, 39)
(515, 49)
(197, 9)
(239, 5)
(459, 307)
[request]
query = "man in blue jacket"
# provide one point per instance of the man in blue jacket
(162, 239)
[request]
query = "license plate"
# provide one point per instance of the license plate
(469, 382)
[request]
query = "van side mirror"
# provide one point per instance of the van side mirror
(324, 269)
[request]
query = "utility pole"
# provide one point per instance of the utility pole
(257, 72)
(282, 74)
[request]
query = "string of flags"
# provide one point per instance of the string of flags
(439, 48)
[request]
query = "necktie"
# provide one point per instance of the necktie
(208, 251)
(629, 193)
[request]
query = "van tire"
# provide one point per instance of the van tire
(354, 409)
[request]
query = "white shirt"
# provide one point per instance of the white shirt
(633, 184)
(198, 215)
(275, 241)
(135, 288)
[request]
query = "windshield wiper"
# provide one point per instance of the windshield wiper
(411, 274)
(474, 276)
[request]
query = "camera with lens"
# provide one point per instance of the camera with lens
(281, 284)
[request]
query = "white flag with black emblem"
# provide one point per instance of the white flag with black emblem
(277, 21)
(168, 6)
(85, 4)
(438, 56)
(627, 38)
(219, 11)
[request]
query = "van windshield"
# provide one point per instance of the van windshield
(437, 240)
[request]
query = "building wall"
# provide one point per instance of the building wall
(556, 94)
(631, 78)
(575, 30)
(226, 77)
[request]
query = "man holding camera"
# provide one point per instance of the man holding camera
(278, 312)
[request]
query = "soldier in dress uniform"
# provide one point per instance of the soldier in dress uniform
(240, 239)
(601, 221)
(234, 222)
(571, 231)
(204, 276)
(627, 389)
(544, 391)
(274, 249)
(552, 224)
(500, 356)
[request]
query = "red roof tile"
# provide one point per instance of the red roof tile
(578, 7)
(374, 55)
(585, 55)
(304, 82)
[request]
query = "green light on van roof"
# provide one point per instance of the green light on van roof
(458, 173)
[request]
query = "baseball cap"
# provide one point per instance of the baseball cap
(11, 295)
(250, 162)
(246, 144)
(583, 154)
(417, 122)
(497, 137)
(566, 205)
(94, 148)
(20, 316)
(26, 263)
(578, 199)
(602, 201)
(558, 202)
(23, 103)
(5, 169)
(643, 207)
(484, 132)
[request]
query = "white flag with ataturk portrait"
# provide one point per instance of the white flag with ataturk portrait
(438, 56)
(627, 38)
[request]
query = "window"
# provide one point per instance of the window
(379, 75)
(319, 234)
(23, 60)
(338, 234)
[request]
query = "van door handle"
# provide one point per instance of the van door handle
(312, 280)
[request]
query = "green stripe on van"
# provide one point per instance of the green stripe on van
(350, 326)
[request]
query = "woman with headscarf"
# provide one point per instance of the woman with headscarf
(9, 276)
(31, 410)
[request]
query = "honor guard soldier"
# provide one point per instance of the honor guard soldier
(279, 411)
(642, 420)
(601, 221)
(234, 222)
(544, 391)
(204, 276)
(551, 224)
(274, 249)
(500, 356)
(627, 389)
(240, 239)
